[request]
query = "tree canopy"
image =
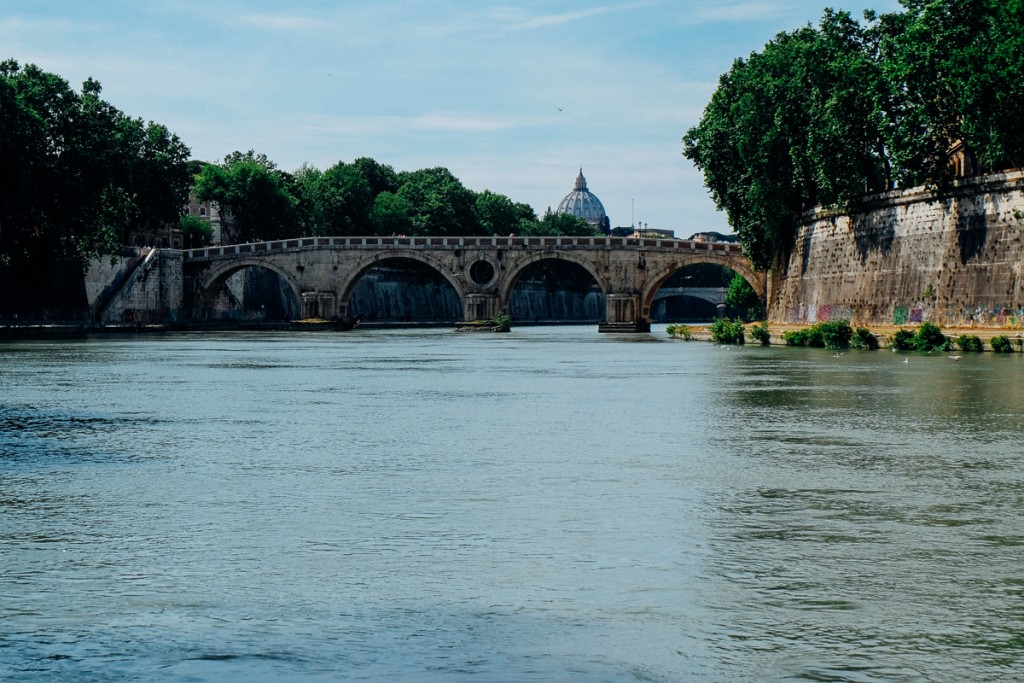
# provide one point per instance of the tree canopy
(78, 176)
(823, 115)
(364, 197)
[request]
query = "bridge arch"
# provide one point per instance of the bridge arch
(358, 270)
(217, 275)
(737, 264)
(508, 279)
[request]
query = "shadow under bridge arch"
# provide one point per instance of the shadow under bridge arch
(406, 287)
(553, 287)
(250, 289)
(738, 264)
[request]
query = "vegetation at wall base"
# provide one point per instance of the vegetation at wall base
(835, 334)
(760, 333)
(501, 322)
(863, 338)
(970, 343)
(927, 338)
(727, 331)
(684, 332)
(1001, 344)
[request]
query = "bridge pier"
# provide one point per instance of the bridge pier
(622, 314)
(479, 307)
(320, 305)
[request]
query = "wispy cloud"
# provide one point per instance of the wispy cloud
(383, 125)
(280, 22)
(547, 20)
(754, 10)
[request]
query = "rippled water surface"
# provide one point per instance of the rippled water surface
(548, 505)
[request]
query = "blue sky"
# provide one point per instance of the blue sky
(513, 97)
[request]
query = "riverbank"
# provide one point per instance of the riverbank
(699, 332)
(883, 333)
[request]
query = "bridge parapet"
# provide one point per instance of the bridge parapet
(448, 243)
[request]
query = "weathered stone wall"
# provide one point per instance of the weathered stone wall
(146, 288)
(955, 259)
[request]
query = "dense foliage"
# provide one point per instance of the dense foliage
(1001, 344)
(363, 198)
(77, 177)
(823, 115)
(727, 331)
(760, 333)
(741, 297)
(835, 334)
(970, 343)
(927, 338)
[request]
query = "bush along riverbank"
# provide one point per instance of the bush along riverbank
(840, 335)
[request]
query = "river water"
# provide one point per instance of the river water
(547, 505)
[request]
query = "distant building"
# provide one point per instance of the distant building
(712, 237)
(585, 204)
(642, 230)
(218, 218)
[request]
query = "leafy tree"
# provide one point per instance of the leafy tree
(77, 176)
(195, 232)
(823, 115)
(259, 198)
(441, 205)
(381, 178)
(954, 68)
(790, 128)
(499, 215)
(391, 215)
(564, 224)
(741, 296)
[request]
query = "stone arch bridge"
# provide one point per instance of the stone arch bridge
(322, 271)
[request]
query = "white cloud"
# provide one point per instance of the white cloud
(280, 22)
(544, 21)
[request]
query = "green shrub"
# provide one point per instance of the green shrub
(683, 332)
(902, 340)
(863, 339)
(929, 337)
(502, 322)
(760, 333)
(1001, 344)
(832, 335)
(969, 342)
(795, 337)
(727, 331)
(836, 334)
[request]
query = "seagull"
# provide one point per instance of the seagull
(954, 357)
(906, 360)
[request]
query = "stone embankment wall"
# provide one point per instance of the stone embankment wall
(953, 258)
(145, 287)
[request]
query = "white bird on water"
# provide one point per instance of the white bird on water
(954, 357)
(906, 360)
